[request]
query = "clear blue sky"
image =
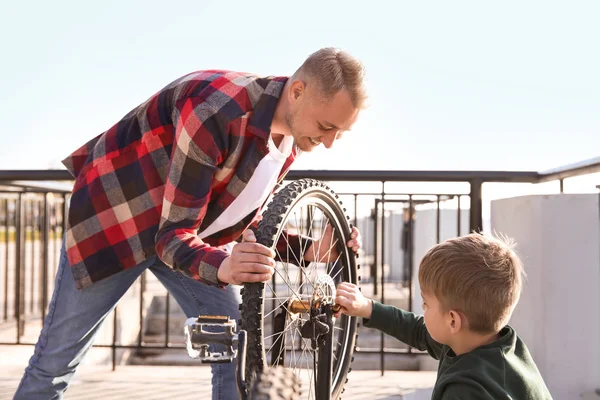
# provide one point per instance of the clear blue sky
(453, 85)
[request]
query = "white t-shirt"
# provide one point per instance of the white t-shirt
(257, 189)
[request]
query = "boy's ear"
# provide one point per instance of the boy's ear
(456, 321)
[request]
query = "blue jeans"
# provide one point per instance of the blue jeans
(75, 316)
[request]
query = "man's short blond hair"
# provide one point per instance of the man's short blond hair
(333, 70)
(477, 275)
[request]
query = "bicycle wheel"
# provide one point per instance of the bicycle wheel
(275, 314)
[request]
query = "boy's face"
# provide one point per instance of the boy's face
(436, 320)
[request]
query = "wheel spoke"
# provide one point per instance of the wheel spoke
(300, 267)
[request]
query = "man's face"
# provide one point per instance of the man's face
(313, 120)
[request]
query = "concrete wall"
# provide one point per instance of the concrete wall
(558, 315)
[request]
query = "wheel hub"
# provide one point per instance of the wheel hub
(320, 309)
(323, 294)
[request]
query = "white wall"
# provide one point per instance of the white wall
(558, 315)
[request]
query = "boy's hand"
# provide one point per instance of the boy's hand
(352, 301)
(248, 262)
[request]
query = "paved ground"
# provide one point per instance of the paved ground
(157, 383)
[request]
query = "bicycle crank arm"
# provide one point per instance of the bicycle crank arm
(208, 330)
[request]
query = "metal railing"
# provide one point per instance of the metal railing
(34, 203)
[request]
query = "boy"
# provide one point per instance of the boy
(470, 286)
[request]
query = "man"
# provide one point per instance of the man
(166, 188)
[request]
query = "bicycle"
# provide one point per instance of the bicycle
(299, 310)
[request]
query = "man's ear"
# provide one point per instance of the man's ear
(296, 90)
(456, 321)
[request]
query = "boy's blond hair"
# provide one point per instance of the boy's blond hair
(333, 70)
(477, 275)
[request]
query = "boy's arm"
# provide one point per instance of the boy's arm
(404, 326)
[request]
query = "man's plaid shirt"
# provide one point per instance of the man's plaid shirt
(167, 170)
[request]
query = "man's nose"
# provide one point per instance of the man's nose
(329, 138)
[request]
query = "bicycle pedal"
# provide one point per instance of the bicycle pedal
(208, 357)
(206, 330)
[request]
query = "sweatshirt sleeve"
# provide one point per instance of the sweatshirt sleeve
(405, 326)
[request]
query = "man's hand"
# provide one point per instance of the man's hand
(249, 262)
(325, 249)
(352, 301)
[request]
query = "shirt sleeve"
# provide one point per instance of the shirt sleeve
(200, 142)
(405, 326)
(464, 391)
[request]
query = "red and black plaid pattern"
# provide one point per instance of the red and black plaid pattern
(167, 170)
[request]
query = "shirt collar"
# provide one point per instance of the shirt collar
(264, 109)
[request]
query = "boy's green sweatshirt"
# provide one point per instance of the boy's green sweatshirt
(500, 370)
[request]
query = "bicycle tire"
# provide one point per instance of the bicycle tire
(275, 384)
(269, 229)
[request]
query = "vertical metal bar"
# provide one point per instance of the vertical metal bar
(382, 350)
(561, 184)
(458, 222)
(31, 220)
(476, 215)
(6, 257)
(375, 246)
(355, 209)
(65, 212)
(35, 255)
(167, 320)
(411, 244)
(437, 226)
(39, 224)
(40, 253)
(45, 236)
(19, 273)
(56, 239)
(114, 340)
(390, 247)
(64, 222)
(411, 248)
(142, 290)
(356, 225)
